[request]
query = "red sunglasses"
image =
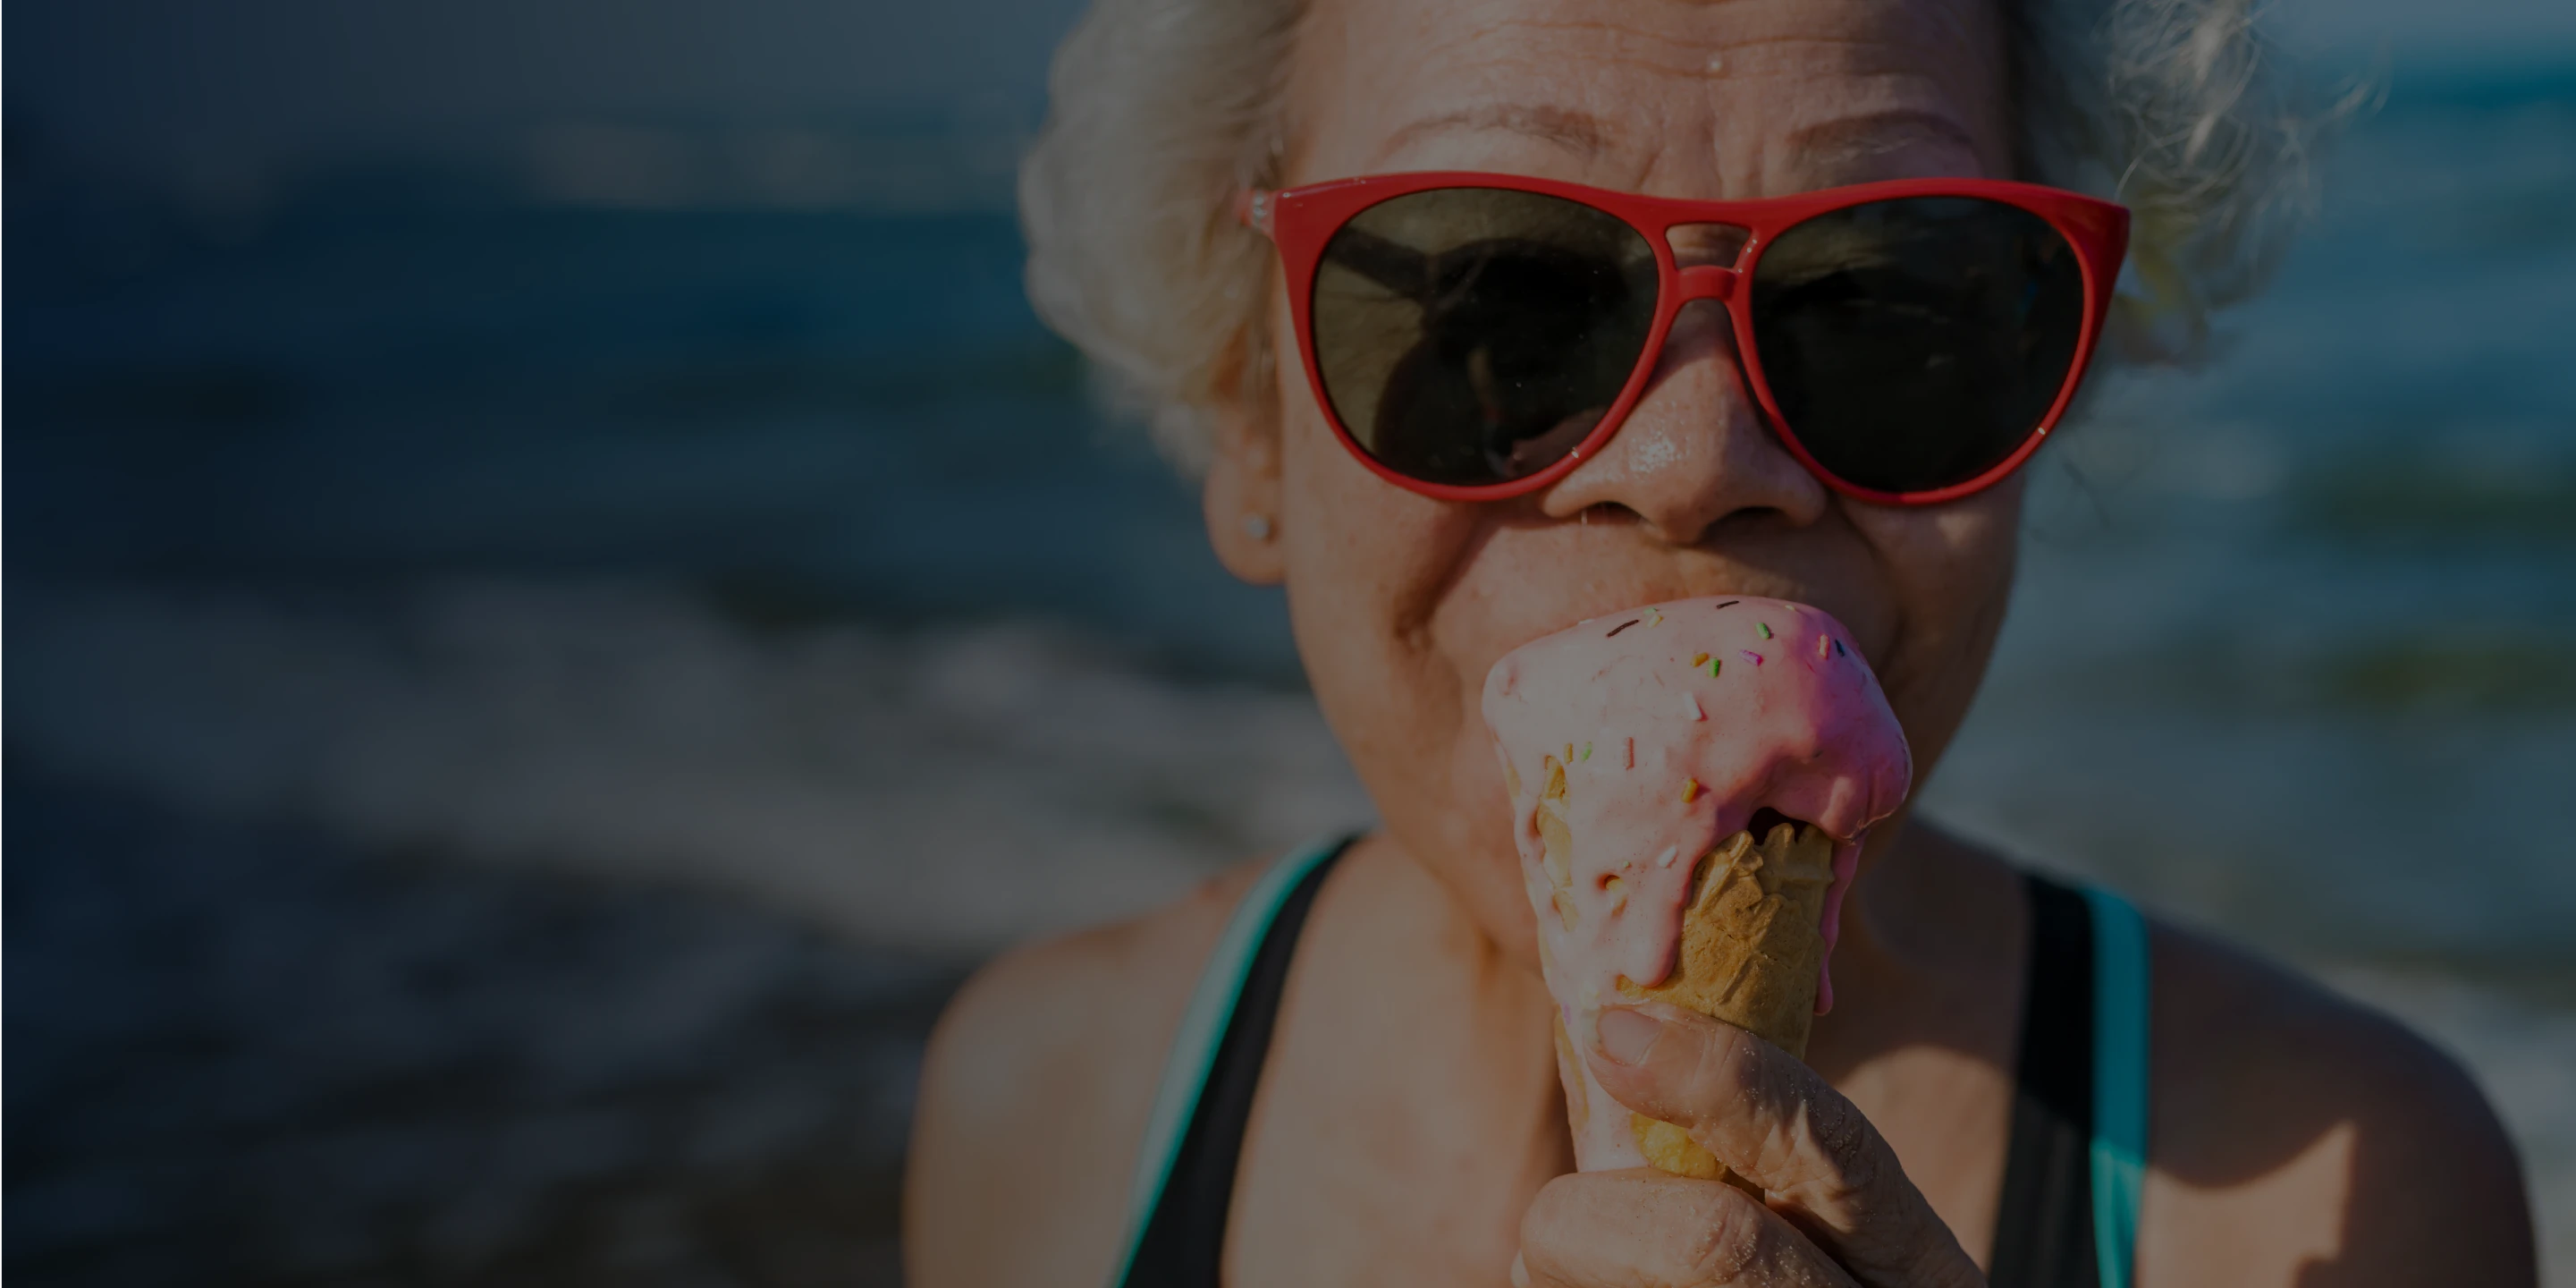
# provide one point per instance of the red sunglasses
(1474, 337)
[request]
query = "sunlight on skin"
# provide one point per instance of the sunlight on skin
(2323, 1171)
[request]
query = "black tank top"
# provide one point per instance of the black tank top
(2043, 1234)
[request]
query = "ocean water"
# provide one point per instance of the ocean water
(725, 626)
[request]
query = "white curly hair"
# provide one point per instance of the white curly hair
(1162, 110)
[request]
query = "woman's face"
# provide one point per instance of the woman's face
(1401, 603)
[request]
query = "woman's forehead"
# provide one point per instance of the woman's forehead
(1736, 98)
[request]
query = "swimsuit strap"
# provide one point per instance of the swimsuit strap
(2068, 1216)
(1194, 1134)
(2121, 1080)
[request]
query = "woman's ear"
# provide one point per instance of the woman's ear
(1242, 494)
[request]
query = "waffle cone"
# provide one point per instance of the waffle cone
(1751, 946)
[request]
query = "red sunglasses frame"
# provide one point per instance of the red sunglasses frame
(1299, 221)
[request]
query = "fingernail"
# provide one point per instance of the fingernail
(1520, 1272)
(1626, 1036)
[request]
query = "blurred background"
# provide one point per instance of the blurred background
(558, 599)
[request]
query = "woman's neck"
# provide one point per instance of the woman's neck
(1932, 924)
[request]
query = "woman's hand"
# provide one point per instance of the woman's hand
(1841, 1210)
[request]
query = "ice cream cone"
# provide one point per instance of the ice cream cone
(1750, 946)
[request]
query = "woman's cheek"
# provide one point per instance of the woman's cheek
(1367, 566)
(1951, 567)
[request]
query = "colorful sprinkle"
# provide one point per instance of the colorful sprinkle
(1671, 852)
(1838, 649)
(1654, 618)
(1712, 668)
(1632, 754)
(1751, 656)
(1824, 646)
(1729, 604)
(1587, 751)
(1690, 708)
(1690, 790)
(1698, 660)
(1623, 626)
(1762, 629)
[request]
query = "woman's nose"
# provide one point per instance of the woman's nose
(1695, 451)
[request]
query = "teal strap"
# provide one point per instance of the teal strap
(2120, 1081)
(1202, 1029)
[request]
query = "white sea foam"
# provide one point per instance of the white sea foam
(951, 790)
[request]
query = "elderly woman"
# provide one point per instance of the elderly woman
(1484, 317)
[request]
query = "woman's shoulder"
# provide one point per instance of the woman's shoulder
(1035, 1091)
(2291, 1123)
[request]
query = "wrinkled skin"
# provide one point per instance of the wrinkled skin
(1402, 603)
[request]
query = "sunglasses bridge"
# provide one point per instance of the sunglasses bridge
(1707, 282)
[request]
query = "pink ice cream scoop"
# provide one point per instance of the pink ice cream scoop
(1636, 747)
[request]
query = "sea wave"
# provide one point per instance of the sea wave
(948, 789)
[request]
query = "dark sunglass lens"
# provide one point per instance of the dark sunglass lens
(1915, 344)
(1475, 335)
